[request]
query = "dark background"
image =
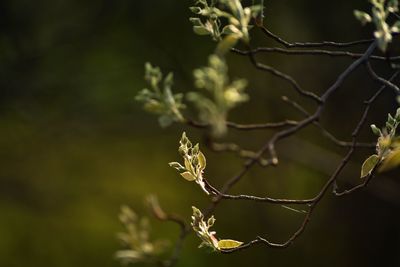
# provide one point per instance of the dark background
(74, 145)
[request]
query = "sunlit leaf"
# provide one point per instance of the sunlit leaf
(211, 221)
(201, 30)
(363, 17)
(228, 244)
(177, 166)
(188, 165)
(188, 176)
(227, 43)
(368, 165)
(202, 160)
(376, 130)
(380, 15)
(159, 99)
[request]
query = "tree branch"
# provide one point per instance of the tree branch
(314, 44)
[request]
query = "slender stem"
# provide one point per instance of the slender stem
(314, 44)
(313, 52)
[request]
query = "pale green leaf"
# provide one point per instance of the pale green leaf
(201, 30)
(188, 165)
(391, 161)
(202, 160)
(393, 6)
(368, 165)
(376, 130)
(196, 21)
(230, 29)
(363, 17)
(397, 116)
(177, 166)
(165, 121)
(169, 80)
(195, 149)
(154, 106)
(256, 9)
(184, 139)
(188, 176)
(211, 221)
(227, 43)
(195, 9)
(196, 212)
(228, 244)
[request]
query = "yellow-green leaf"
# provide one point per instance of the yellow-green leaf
(228, 244)
(227, 43)
(391, 161)
(368, 165)
(188, 165)
(202, 160)
(188, 176)
(201, 30)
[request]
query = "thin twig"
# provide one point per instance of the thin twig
(314, 52)
(381, 80)
(323, 130)
(232, 147)
(314, 44)
(246, 127)
(284, 77)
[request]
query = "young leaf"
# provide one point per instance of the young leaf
(201, 30)
(165, 121)
(380, 17)
(159, 99)
(202, 229)
(188, 176)
(368, 165)
(363, 17)
(225, 244)
(376, 130)
(202, 160)
(391, 161)
(177, 166)
(393, 6)
(137, 246)
(211, 221)
(188, 165)
(397, 116)
(227, 43)
(222, 94)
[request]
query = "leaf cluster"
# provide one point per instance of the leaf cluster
(387, 155)
(159, 99)
(220, 95)
(136, 239)
(236, 17)
(194, 162)
(381, 9)
(202, 229)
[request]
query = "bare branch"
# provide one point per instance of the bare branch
(314, 52)
(381, 80)
(244, 153)
(316, 44)
(284, 77)
(324, 131)
(247, 127)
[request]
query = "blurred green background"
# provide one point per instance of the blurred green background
(74, 145)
